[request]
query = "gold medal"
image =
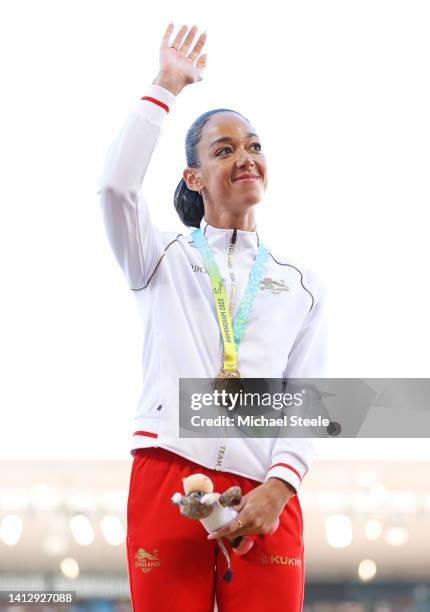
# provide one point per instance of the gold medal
(229, 381)
(223, 373)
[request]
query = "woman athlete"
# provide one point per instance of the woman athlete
(275, 314)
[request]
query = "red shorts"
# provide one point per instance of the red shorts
(173, 567)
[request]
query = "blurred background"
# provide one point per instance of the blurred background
(339, 94)
(367, 533)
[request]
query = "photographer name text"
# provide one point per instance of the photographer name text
(258, 421)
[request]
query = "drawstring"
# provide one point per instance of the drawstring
(228, 574)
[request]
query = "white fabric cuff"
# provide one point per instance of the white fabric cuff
(156, 113)
(285, 472)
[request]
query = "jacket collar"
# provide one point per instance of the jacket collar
(216, 236)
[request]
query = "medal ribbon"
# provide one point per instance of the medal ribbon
(231, 334)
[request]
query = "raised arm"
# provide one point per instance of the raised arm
(136, 243)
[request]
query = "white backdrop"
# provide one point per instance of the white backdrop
(339, 93)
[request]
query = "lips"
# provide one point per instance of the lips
(246, 177)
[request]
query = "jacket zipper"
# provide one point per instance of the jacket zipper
(233, 281)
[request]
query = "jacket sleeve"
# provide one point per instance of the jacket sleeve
(136, 243)
(292, 457)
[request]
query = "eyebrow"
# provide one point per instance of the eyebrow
(229, 139)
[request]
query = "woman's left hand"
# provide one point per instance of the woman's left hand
(257, 511)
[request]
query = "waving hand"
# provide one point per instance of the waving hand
(181, 64)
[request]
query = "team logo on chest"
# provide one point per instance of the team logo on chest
(146, 561)
(275, 287)
(197, 268)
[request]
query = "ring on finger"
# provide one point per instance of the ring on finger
(239, 522)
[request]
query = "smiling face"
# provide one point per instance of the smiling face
(232, 174)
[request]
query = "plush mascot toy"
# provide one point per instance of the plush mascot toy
(214, 510)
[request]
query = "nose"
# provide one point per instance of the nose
(244, 159)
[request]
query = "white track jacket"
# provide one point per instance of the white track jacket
(284, 336)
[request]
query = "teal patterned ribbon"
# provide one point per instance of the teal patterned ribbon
(255, 276)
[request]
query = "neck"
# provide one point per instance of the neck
(228, 220)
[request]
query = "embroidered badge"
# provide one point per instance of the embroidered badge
(274, 286)
(197, 268)
(145, 560)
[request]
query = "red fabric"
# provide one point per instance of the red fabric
(289, 467)
(178, 569)
(155, 101)
(149, 434)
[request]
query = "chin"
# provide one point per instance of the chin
(252, 199)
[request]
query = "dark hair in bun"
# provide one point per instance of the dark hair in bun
(189, 203)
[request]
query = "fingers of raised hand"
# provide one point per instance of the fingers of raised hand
(197, 49)
(166, 35)
(184, 47)
(179, 37)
